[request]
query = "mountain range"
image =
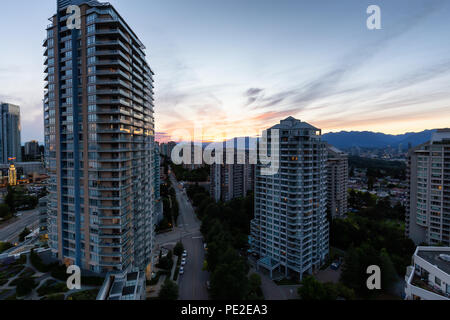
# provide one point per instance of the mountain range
(367, 139)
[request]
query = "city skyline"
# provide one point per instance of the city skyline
(316, 62)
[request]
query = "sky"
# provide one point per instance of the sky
(234, 68)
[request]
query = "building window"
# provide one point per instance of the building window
(91, 18)
(91, 28)
(91, 40)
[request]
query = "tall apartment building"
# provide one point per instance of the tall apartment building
(31, 150)
(428, 210)
(290, 231)
(10, 143)
(166, 148)
(337, 175)
(230, 181)
(99, 140)
(196, 157)
(157, 185)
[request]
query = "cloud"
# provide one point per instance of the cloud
(253, 92)
(327, 91)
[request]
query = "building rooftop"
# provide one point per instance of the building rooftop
(122, 285)
(132, 276)
(292, 123)
(435, 258)
(441, 135)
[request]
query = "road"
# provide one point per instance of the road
(193, 283)
(9, 232)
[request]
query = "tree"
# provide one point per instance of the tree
(179, 249)
(25, 286)
(5, 246)
(229, 279)
(5, 212)
(169, 291)
(254, 281)
(23, 234)
(312, 289)
(389, 275)
(9, 198)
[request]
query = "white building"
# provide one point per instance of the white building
(290, 231)
(124, 286)
(429, 276)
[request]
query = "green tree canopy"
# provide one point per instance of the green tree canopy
(169, 291)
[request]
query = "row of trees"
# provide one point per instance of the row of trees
(313, 290)
(170, 206)
(368, 205)
(196, 175)
(225, 227)
(378, 168)
(169, 290)
(373, 236)
(18, 199)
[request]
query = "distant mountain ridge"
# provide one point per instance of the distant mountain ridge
(368, 139)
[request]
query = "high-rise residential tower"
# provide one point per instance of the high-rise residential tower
(232, 180)
(337, 175)
(31, 150)
(10, 143)
(99, 139)
(428, 210)
(290, 231)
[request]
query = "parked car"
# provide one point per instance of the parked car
(336, 265)
(183, 261)
(208, 285)
(184, 254)
(181, 270)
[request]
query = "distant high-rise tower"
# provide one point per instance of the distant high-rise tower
(428, 209)
(337, 173)
(233, 180)
(31, 150)
(99, 139)
(10, 143)
(158, 216)
(290, 231)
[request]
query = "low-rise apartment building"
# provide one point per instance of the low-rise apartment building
(429, 276)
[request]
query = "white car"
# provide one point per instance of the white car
(184, 254)
(183, 261)
(181, 270)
